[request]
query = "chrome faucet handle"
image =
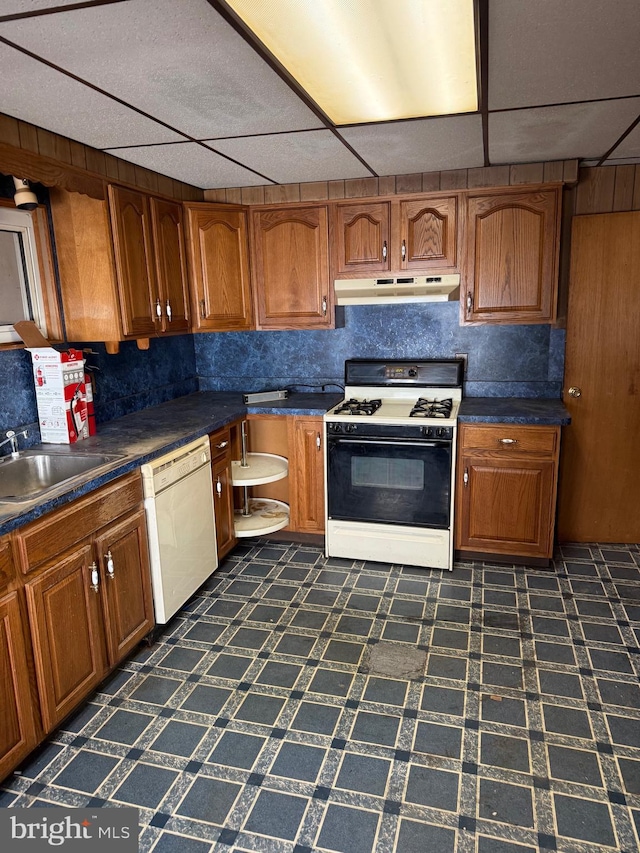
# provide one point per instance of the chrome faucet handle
(12, 438)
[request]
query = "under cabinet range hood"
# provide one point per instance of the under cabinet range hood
(386, 291)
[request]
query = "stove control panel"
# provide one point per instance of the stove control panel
(412, 431)
(437, 432)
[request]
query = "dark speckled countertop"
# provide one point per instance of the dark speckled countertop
(513, 410)
(139, 437)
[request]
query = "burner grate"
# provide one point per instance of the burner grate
(358, 407)
(424, 408)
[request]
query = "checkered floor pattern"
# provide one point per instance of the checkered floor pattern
(302, 704)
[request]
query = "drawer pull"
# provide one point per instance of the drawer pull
(222, 445)
(218, 488)
(110, 568)
(95, 577)
(507, 441)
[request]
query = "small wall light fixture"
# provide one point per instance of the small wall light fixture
(24, 196)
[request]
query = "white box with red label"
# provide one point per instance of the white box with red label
(60, 395)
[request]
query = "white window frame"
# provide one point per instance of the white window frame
(21, 221)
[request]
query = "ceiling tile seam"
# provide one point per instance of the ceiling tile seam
(55, 10)
(564, 104)
(231, 17)
(223, 138)
(482, 42)
(620, 139)
(123, 103)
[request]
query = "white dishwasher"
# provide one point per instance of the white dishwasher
(178, 500)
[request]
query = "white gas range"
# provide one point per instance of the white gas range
(390, 462)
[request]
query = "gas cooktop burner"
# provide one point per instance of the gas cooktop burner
(424, 408)
(358, 407)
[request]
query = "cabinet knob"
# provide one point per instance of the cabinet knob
(110, 568)
(384, 251)
(95, 577)
(403, 250)
(168, 310)
(574, 391)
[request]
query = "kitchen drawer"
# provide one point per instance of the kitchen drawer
(220, 442)
(59, 530)
(510, 438)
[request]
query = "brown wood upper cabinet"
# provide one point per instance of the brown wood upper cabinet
(219, 264)
(510, 270)
(417, 234)
(122, 265)
(290, 267)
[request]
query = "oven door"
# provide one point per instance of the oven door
(390, 481)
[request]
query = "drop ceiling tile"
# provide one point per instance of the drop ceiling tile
(191, 163)
(629, 147)
(559, 133)
(180, 62)
(315, 155)
(404, 147)
(38, 94)
(550, 52)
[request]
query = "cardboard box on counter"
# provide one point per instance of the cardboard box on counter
(59, 381)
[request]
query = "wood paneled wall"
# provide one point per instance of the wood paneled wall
(40, 155)
(607, 189)
(421, 182)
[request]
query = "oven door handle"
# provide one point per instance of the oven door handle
(392, 441)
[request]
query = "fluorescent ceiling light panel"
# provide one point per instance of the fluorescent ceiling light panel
(373, 60)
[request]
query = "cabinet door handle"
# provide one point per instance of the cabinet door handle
(465, 477)
(158, 309)
(384, 251)
(222, 445)
(403, 251)
(218, 488)
(318, 441)
(168, 310)
(324, 305)
(203, 309)
(95, 577)
(507, 441)
(469, 302)
(110, 569)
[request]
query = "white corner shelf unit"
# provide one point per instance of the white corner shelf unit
(258, 516)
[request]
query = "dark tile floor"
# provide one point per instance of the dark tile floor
(300, 704)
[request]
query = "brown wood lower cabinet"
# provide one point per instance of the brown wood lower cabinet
(222, 443)
(506, 489)
(81, 593)
(306, 475)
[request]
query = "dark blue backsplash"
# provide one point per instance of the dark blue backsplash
(503, 361)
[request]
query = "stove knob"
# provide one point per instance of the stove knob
(335, 427)
(427, 431)
(412, 371)
(351, 427)
(441, 432)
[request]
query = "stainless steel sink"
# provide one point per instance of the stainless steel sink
(36, 472)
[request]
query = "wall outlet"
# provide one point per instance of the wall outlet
(465, 358)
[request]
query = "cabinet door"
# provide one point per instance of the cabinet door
(307, 476)
(122, 555)
(361, 238)
(511, 264)
(428, 234)
(223, 505)
(291, 267)
(505, 505)
(219, 259)
(67, 635)
(17, 726)
(168, 236)
(131, 225)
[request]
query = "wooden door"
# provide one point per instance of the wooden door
(219, 260)
(67, 634)
(428, 234)
(171, 265)
(361, 238)
(122, 555)
(307, 476)
(17, 724)
(131, 226)
(291, 267)
(599, 496)
(506, 506)
(511, 259)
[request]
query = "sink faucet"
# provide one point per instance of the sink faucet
(12, 439)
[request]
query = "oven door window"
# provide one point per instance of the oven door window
(388, 482)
